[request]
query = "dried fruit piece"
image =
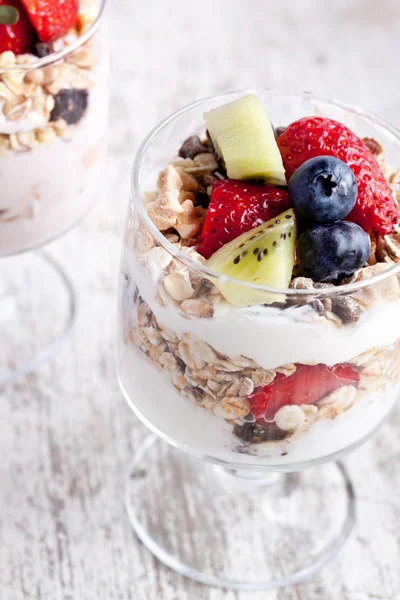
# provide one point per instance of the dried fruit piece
(307, 385)
(375, 209)
(262, 256)
(244, 138)
(236, 207)
(70, 105)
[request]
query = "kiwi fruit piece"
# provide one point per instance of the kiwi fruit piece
(244, 138)
(262, 256)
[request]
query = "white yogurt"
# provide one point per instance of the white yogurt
(272, 338)
(160, 406)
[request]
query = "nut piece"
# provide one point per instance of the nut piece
(178, 286)
(187, 224)
(289, 418)
(373, 146)
(347, 309)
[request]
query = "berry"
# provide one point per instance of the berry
(52, 19)
(307, 385)
(70, 104)
(18, 37)
(43, 49)
(331, 252)
(323, 190)
(236, 207)
(375, 209)
(263, 256)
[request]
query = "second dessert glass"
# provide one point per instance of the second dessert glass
(239, 505)
(53, 123)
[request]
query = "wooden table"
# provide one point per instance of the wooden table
(66, 434)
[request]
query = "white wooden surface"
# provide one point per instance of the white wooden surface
(66, 435)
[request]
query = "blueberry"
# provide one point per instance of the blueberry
(42, 49)
(70, 105)
(331, 252)
(323, 190)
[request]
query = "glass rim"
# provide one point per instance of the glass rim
(208, 273)
(55, 57)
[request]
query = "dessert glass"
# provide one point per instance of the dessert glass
(238, 488)
(53, 123)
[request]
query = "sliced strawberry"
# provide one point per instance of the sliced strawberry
(19, 37)
(52, 19)
(375, 209)
(236, 207)
(307, 385)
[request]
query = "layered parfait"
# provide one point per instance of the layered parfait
(53, 115)
(255, 288)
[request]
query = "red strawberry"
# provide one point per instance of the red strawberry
(375, 208)
(236, 207)
(307, 385)
(19, 37)
(52, 19)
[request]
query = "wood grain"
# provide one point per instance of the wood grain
(66, 435)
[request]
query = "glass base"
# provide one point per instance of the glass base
(237, 529)
(37, 310)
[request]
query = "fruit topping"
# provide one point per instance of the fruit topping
(70, 105)
(307, 385)
(42, 49)
(262, 256)
(331, 252)
(17, 35)
(192, 147)
(375, 209)
(52, 19)
(244, 138)
(323, 190)
(236, 207)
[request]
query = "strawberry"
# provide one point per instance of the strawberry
(307, 385)
(52, 19)
(375, 209)
(18, 37)
(236, 207)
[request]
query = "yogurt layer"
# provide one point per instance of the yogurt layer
(273, 337)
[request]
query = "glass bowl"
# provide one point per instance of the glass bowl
(53, 125)
(254, 391)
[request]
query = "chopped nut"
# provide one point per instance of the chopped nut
(289, 418)
(187, 224)
(373, 146)
(197, 308)
(189, 183)
(346, 308)
(178, 286)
